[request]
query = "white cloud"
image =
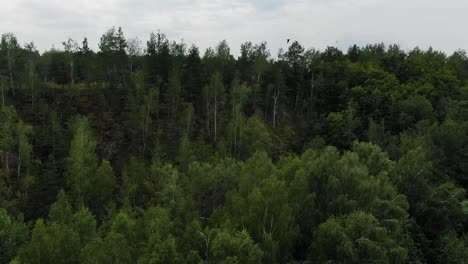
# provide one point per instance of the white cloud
(314, 23)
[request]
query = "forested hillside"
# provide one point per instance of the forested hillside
(157, 152)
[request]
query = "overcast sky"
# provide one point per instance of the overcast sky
(442, 24)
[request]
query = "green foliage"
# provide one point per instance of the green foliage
(13, 234)
(51, 243)
(113, 41)
(82, 161)
(238, 247)
(172, 156)
(454, 249)
(255, 137)
(61, 211)
(118, 246)
(415, 109)
(133, 176)
(9, 117)
(341, 128)
(211, 182)
(161, 244)
(84, 224)
(358, 238)
(102, 187)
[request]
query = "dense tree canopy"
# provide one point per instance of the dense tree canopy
(166, 154)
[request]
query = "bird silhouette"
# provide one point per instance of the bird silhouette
(287, 41)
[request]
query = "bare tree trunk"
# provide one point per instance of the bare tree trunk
(171, 109)
(3, 96)
(115, 73)
(267, 104)
(233, 146)
(131, 67)
(175, 109)
(275, 105)
(208, 118)
(215, 113)
(240, 133)
(71, 72)
(19, 159)
(11, 73)
(7, 162)
(32, 94)
(237, 126)
(297, 100)
(53, 89)
(188, 124)
(32, 87)
(235, 136)
(173, 188)
(146, 127)
(312, 93)
(233, 103)
(254, 98)
(53, 138)
(138, 94)
(257, 87)
(124, 82)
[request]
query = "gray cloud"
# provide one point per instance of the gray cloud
(314, 23)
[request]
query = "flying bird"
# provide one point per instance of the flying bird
(287, 41)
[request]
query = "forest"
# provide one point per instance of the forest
(156, 152)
